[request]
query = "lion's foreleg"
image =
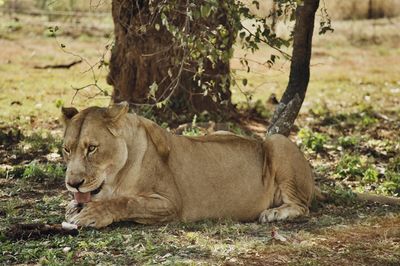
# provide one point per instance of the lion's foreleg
(149, 209)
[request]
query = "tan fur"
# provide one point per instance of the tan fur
(151, 176)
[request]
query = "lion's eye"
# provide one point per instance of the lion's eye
(66, 150)
(91, 149)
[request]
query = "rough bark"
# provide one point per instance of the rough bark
(142, 57)
(293, 97)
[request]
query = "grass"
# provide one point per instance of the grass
(348, 129)
(210, 242)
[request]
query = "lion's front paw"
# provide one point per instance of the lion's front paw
(72, 209)
(94, 214)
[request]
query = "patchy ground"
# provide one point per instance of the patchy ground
(349, 129)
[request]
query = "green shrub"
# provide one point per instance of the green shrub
(41, 172)
(350, 167)
(391, 185)
(193, 130)
(312, 140)
(348, 141)
(370, 176)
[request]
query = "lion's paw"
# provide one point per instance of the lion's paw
(93, 214)
(72, 209)
(271, 215)
(283, 212)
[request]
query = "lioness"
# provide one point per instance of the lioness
(121, 167)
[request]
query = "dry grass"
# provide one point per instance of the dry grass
(358, 54)
(58, 5)
(362, 9)
(344, 9)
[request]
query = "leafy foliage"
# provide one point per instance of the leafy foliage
(312, 140)
(202, 34)
(193, 130)
(41, 172)
(348, 141)
(350, 167)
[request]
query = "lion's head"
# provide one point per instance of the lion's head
(93, 149)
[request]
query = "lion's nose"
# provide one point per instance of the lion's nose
(76, 184)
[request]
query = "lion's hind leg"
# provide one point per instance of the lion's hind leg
(289, 206)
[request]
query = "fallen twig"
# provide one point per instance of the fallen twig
(36, 231)
(67, 66)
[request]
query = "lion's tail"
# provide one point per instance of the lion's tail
(319, 195)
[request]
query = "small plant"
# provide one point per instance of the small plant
(261, 110)
(348, 141)
(320, 111)
(312, 140)
(42, 142)
(14, 25)
(193, 130)
(350, 167)
(14, 172)
(10, 136)
(341, 195)
(370, 176)
(236, 129)
(41, 172)
(59, 103)
(367, 120)
(394, 164)
(391, 185)
(254, 107)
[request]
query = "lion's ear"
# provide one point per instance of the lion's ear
(68, 113)
(158, 136)
(116, 111)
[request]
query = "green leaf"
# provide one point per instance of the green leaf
(205, 11)
(153, 89)
(59, 103)
(244, 82)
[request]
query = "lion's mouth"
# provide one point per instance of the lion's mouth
(97, 190)
(84, 197)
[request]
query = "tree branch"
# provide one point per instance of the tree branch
(290, 104)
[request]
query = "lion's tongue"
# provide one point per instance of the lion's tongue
(82, 197)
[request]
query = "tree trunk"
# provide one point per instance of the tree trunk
(145, 55)
(370, 9)
(293, 97)
(274, 17)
